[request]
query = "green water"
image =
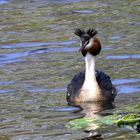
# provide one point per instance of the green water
(39, 56)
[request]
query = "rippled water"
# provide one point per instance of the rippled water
(39, 55)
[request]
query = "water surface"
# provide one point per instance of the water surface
(39, 55)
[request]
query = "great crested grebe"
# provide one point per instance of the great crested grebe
(90, 85)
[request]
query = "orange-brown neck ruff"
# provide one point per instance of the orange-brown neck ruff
(94, 47)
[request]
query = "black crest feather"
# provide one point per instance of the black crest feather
(79, 32)
(91, 32)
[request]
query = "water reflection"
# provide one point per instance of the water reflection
(131, 56)
(127, 86)
(3, 2)
(38, 57)
(7, 58)
(84, 11)
(46, 90)
(125, 81)
(35, 44)
(115, 37)
(127, 89)
(94, 110)
(6, 83)
(64, 1)
(3, 91)
(12, 57)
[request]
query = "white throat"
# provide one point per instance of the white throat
(90, 68)
(90, 82)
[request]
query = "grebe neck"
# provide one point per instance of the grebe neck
(90, 84)
(90, 68)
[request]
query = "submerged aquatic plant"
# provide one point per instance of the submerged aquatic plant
(129, 119)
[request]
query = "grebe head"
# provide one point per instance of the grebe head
(88, 42)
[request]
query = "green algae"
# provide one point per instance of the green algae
(130, 120)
